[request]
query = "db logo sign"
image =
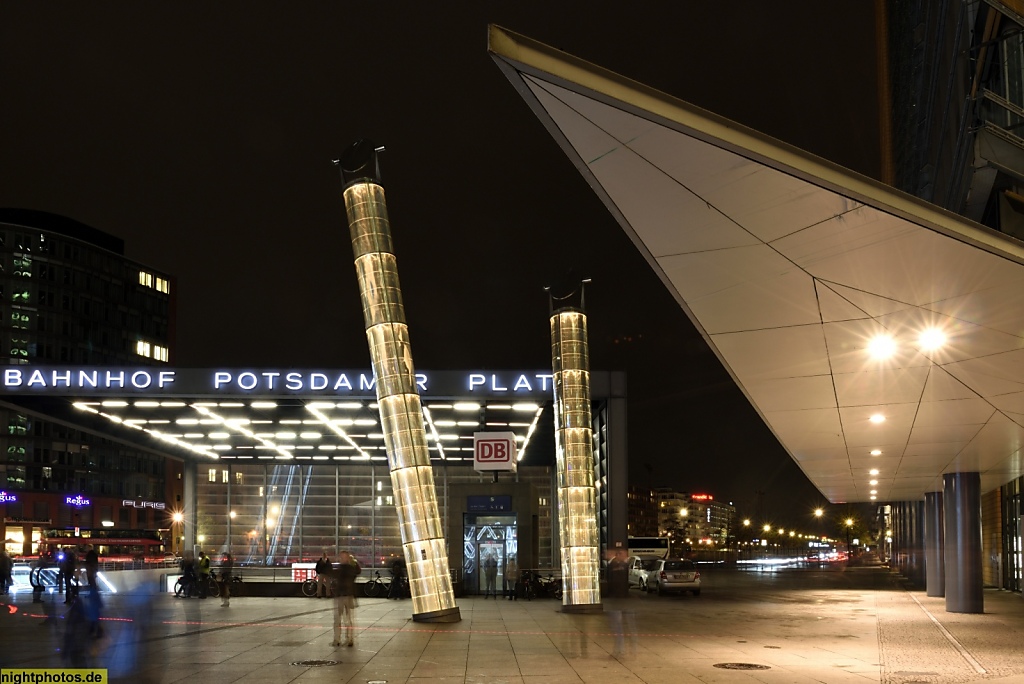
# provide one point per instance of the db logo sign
(494, 451)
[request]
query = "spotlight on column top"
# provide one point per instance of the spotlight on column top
(360, 162)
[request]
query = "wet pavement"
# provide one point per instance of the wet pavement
(773, 624)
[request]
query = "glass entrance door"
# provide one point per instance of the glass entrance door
(487, 537)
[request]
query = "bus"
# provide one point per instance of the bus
(110, 544)
(648, 547)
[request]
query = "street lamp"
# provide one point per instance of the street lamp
(177, 518)
(849, 524)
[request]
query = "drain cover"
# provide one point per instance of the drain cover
(741, 666)
(315, 663)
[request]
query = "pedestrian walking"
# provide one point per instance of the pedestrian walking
(227, 565)
(345, 599)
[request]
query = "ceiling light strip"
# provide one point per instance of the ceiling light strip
(433, 432)
(337, 430)
(237, 427)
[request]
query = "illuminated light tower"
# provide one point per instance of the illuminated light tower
(574, 460)
(401, 413)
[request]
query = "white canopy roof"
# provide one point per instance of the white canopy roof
(790, 266)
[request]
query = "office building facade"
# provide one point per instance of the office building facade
(68, 295)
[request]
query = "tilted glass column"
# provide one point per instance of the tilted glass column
(574, 462)
(401, 415)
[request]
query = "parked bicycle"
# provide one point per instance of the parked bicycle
(536, 586)
(377, 586)
(186, 589)
(309, 587)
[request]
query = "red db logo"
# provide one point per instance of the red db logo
(493, 450)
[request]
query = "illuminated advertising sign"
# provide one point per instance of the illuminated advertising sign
(226, 381)
(701, 497)
(7, 498)
(155, 505)
(494, 451)
(77, 501)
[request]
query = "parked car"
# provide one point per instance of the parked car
(674, 575)
(639, 569)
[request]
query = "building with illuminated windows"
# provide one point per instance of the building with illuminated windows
(68, 295)
(693, 519)
(708, 521)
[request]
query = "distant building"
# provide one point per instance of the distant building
(642, 512)
(707, 521)
(69, 296)
(669, 503)
(693, 519)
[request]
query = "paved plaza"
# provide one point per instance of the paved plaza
(786, 625)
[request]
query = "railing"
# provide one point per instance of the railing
(1001, 117)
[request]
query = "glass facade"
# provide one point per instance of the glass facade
(281, 514)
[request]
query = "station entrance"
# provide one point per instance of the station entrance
(488, 539)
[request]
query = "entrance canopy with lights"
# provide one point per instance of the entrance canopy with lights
(285, 414)
(880, 339)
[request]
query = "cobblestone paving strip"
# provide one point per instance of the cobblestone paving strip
(913, 649)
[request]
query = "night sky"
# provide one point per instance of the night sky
(203, 133)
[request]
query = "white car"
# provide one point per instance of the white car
(674, 575)
(639, 569)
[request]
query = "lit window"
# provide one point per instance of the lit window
(160, 353)
(224, 476)
(239, 478)
(143, 348)
(163, 285)
(213, 474)
(145, 279)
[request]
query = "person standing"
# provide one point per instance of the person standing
(188, 574)
(69, 567)
(92, 565)
(399, 579)
(345, 599)
(6, 569)
(491, 576)
(511, 578)
(618, 575)
(324, 569)
(227, 565)
(204, 574)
